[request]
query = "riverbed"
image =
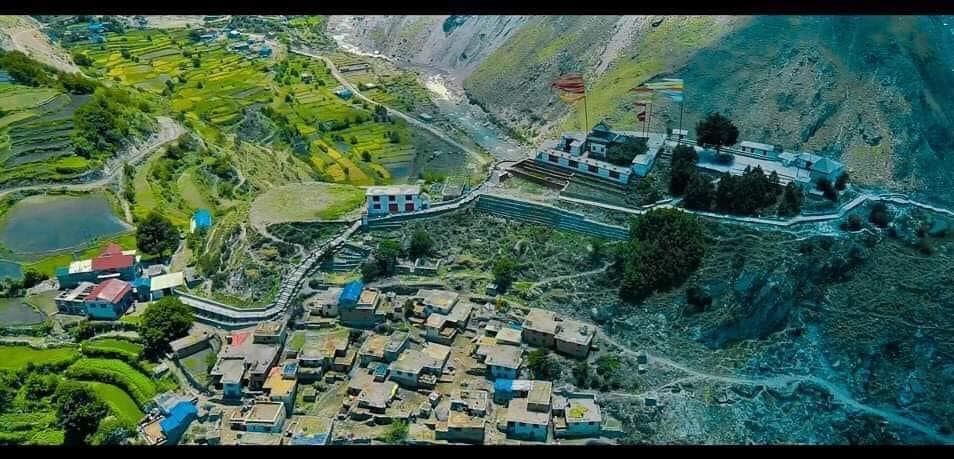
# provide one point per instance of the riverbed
(44, 223)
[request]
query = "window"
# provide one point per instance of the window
(392, 207)
(377, 206)
(593, 169)
(574, 164)
(409, 197)
(392, 198)
(614, 174)
(376, 198)
(409, 207)
(554, 159)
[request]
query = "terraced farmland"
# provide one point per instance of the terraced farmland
(35, 143)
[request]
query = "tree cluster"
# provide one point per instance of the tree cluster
(106, 123)
(622, 154)
(665, 247)
(384, 261)
(683, 168)
(791, 203)
(747, 193)
(156, 235)
(164, 321)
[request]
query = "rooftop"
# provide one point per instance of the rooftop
(517, 412)
(575, 332)
(164, 281)
(438, 352)
(368, 297)
(582, 410)
(377, 394)
(351, 292)
(504, 356)
(413, 361)
(443, 300)
(460, 313)
(474, 399)
(508, 335)
(187, 341)
(266, 412)
(436, 320)
(277, 385)
(462, 420)
(81, 266)
(392, 190)
(231, 369)
(110, 290)
(757, 145)
(540, 320)
(273, 327)
(112, 257)
(540, 393)
(79, 293)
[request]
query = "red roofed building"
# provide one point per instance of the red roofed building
(111, 263)
(109, 300)
(113, 259)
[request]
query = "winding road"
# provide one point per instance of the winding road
(838, 393)
(169, 130)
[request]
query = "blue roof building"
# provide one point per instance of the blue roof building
(180, 416)
(350, 293)
(344, 93)
(96, 27)
(265, 52)
(201, 219)
(310, 440)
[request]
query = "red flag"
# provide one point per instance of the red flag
(572, 83)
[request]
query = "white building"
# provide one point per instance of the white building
(395, 199)
(587, 153)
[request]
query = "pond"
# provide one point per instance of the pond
(47, 223)
(10, 270)
(15, 312)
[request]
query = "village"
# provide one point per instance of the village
(358, 364)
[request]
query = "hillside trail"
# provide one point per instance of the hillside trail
(169, 130)
(783, 381)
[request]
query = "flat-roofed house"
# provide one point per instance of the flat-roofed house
(395, 199)
(109, 300)
(539, 328)
(416, 368)
(112, 262)
(461, 427)
(377, 396)
(525, 424)
(230, 373)
(574, 338)
(383, 348)
(257, 360)
(265, 417)
(365, 311)
(439, 330)
(475, 402)
(510, 336)
(272, 332)
(190, 344)
(281, 389)
(503, 361)
(583, 417)
(439, 301)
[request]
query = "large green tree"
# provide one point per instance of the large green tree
(504, 271)
(683, 167)
(164, 321)
(716, 131)
(421, 244)
(665, 247)
(156, 235)
(78, 411)
(699, 193)
(622, 154)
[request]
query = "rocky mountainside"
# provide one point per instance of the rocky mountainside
(873, 91)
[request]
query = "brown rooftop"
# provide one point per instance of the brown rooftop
(540, 393)
(377, 394)
(541, 320)
(575, 332)
(462, 420)
(517, 412)
(368, 297)
(504, 356)
(264, 412)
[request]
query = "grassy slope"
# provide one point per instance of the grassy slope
(306, 201)
(17, 357)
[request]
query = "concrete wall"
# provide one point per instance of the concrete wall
(530, 212)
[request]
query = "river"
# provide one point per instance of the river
(447, 93)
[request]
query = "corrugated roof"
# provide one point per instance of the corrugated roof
(392, 190)
(112, 257)
(165, 281)
(202, 218)
(112, 290)
(180, 416)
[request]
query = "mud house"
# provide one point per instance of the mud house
(266, 417)
(244, 362)
(377, 396)
(529, 418)
(544, 328)
(395, 199)
(112, 262)
(462, 427)
(322, 350)
(503, 361)
(420, 368)
(439, 330)
(437, 301)
(383, 348)
(360, 307)
(576, 415)
(509, 335)
(272, 332)
(280, 387)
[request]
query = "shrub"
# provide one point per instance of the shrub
(879, 215)
(665, 247)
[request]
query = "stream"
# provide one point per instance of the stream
(447, 93)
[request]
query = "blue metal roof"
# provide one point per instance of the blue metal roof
(179, 417)
(351, 292)
(313, 440)
(503, 385)
(203, 218)
(142, 282)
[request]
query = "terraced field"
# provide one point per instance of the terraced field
(17, 357)
(118, 401)
(138, 385)
(35, 132)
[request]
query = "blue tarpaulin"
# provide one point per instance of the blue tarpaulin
(202, 218)
(351, 292)
(178, 420)
(314, 440)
